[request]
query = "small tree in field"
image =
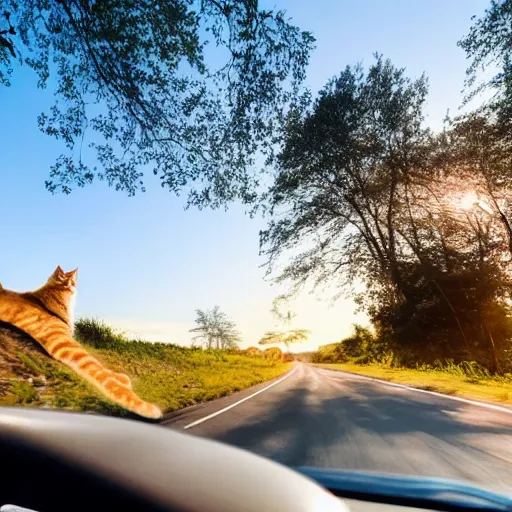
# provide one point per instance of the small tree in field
(287, 337)
(215, 330)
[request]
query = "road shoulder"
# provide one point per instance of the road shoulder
(181, 418)
(496, 395)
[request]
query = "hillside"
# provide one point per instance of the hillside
(168, 375)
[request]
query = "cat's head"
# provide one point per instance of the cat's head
(66, 280)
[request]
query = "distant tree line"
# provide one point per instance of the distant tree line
(214, 330)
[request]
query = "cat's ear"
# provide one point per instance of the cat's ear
(71, 276)
(72, 273)
(58, 271)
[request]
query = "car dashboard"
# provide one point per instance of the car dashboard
(57, 461)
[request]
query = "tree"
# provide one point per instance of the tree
(287, 337)
(215, 330)
(476, 151)
(489, 44)
(282, 317)
(343, 166)
(191, 91)
(364, 192)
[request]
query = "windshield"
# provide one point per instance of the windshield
(282, 225)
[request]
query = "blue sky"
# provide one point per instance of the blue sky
(144, 263)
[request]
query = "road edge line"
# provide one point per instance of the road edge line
(220, 411)
(494, 407)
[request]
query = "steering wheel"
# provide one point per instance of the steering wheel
(56, 461)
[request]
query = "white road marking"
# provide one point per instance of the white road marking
(210, 416)
(418, 390)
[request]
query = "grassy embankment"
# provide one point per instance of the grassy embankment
(168, 375)
(460, 380)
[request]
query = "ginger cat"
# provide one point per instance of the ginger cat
(47, 316)
(58, 295)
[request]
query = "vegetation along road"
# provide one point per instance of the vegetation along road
(326, 418)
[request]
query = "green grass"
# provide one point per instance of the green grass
(452, 380)
(173, 378)
(170, 376)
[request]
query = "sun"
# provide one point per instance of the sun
(465, 201)
(468, 200)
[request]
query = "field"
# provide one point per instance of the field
(170, 376)
(454, 380)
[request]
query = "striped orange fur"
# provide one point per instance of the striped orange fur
(44, 315)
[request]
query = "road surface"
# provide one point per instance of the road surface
(324, 418)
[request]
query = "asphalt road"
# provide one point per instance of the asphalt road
(324, 418)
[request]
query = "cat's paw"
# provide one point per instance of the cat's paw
(150, 411)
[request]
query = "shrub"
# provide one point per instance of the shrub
(332, 353)
(273, 353)
(97, 334)
(254, 351)
(362, 347)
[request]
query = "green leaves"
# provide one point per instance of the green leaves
(489, 41)
(7, 48)
(287, 337)
(136, 92)
(488, 45)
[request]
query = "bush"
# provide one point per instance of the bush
(362, 347)
(364, 343)
(332, 353)
(273, 353)
(463, 315)
(254, 351)
(97, 334)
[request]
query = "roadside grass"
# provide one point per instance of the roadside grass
(451, 380)
(174, 378)
(171, 376)
(29, 377)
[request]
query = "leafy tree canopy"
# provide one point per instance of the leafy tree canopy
(345, 160)
(489, 45)
(191, 89)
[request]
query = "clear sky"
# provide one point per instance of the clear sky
(144, 263)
